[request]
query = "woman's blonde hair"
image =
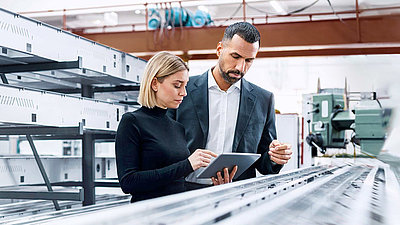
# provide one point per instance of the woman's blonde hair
(160, 66)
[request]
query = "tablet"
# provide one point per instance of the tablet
(229, 160)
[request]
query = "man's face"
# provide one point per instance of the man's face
(235, 58)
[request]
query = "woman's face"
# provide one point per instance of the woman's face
(170, 92)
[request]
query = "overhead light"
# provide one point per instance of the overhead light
(97, 22)
(278, 7)
(137, 11)
(110, 19)
(202, 8)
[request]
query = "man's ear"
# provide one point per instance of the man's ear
(154, 84)
(219, 48)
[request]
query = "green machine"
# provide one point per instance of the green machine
(331, 119)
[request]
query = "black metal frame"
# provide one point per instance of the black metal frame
(3, 78)
(117, 88)
(99, 183)
(34, 67)
(42, 170)
(88, 137)
(54, 196)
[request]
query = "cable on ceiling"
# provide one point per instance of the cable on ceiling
(337, 15)
(334, 12)
(287, 14)
(302, 9)
(233, 14)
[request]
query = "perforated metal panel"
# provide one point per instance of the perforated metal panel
(35, 107)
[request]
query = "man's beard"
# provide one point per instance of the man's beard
(229, 79)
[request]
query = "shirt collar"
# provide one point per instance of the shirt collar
(213, 84)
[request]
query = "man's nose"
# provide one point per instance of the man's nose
(241, 65)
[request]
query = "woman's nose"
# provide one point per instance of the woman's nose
(183, 92)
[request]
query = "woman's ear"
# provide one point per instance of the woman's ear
(154, 84)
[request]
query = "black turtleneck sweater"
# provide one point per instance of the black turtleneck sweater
(151, 154)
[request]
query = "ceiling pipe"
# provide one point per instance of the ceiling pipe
(358, 22)
(244, 10)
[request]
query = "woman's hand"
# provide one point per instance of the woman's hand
(201, 158)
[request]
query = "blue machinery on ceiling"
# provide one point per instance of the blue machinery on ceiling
(178, 17)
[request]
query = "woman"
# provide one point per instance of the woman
(151, 153)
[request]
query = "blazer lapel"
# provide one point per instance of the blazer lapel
(246, 107)
(199, 96)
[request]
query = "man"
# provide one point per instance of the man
(224, 113)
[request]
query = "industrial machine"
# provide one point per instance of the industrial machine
(331, 117)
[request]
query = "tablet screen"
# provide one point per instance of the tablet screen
(229, 160)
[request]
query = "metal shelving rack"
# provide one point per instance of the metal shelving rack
(39, 66)
(37, 55)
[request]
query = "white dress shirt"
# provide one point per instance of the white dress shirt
(223, 107)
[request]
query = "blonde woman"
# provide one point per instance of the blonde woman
(151, 150)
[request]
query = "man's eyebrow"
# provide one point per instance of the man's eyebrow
(235, 53)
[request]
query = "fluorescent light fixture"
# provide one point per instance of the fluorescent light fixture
(202, 8)
(97, 22)
(110, 19)
(278, 7)
(139, 54)
(203, 51)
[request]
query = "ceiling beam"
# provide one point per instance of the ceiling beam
(372, 30)
(363, 49)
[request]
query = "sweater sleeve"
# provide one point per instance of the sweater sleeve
(128, 153)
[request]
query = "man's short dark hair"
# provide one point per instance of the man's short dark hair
(245, 30)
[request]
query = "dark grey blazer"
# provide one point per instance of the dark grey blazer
(255, 126)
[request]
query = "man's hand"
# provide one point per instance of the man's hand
(280, 153)
(227, 176)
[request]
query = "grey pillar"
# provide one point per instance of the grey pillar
(88, 158)
(88, 174)
(87, 91)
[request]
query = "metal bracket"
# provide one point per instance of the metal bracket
(34, 67)
(58, 133)
(3, 78)
(54, 196)
(42, 170)
(98, 183)
(99, 89)
(40, 130)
